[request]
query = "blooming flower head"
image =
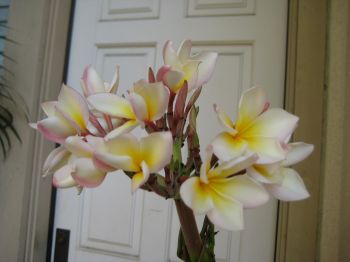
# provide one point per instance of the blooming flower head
(72, 163)
(180, 66)
(280, 181)
(221, 194)
(142, 157)
(258, 128)
(67, 116)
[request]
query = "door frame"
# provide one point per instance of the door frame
(298, 223)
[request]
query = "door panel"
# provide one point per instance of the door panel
(109, 223)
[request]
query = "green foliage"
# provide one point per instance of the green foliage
(8, 98)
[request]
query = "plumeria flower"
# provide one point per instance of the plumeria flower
(91, 82)
(148, 155)
(180, 66)
(146, 103)
(67, 116)
(222, 195)
(258, 128)
(280, 181)
(79, 168)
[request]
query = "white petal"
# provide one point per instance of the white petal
(196, 196)
(78, 147)
(206, 67)
(123, 129)
(91, 82)
(62, 178)
(140, 178)
(292, 187)
(241, 188)
(184, 51)
(170, 56)
(225, 121)
(139, 107)
(55, 160)
(297, 152)
(226, 214)
(49, 107)
(226, 147)
(86, 174)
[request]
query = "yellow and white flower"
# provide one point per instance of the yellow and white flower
(181, 66)
(258, 128)
(222, 195)
(148, 155)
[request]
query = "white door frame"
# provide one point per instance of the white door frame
(41, 27)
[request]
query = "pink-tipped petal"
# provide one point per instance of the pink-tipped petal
(156, 150)
(72, 103)
(113, 87)
(162, 71)
(86, 174)
(196, 195)
(56, 129)
(55, 160)
(92, 83)
(292, 187)
(297, 152)
(62, 178)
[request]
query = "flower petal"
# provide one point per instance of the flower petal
(86, 174)
(225, 121)
(78, 147)
(227, 213)
(113, 87)
(139, 107)
(156, 150)
(297, 152)
(292, 187)
(184, 50)
(174, 80)
(191, 74)
(196, 195)
(140, 178)
(170, 56)
(227, 147)
(107, 160)
(206, 67)
(123, 129)
(156, 97)
(268, 149)
(62, 178)
(112, 104)
(91, 82)
(275, 122)
(125, 145)
(73, 104)
(235, 165)
(253, 102)
(49, 107)
(241, 188)
(55, 160)
(162, 71)
(267, 174)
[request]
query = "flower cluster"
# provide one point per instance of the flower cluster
(244, 163)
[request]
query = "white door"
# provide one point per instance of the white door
(109, 223)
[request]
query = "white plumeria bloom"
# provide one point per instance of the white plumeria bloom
(280, 181)
(258, 129)
(180, 66)
(91, 82)
(79, 169)
(148, 155)
(222, 196)
(67, 116)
